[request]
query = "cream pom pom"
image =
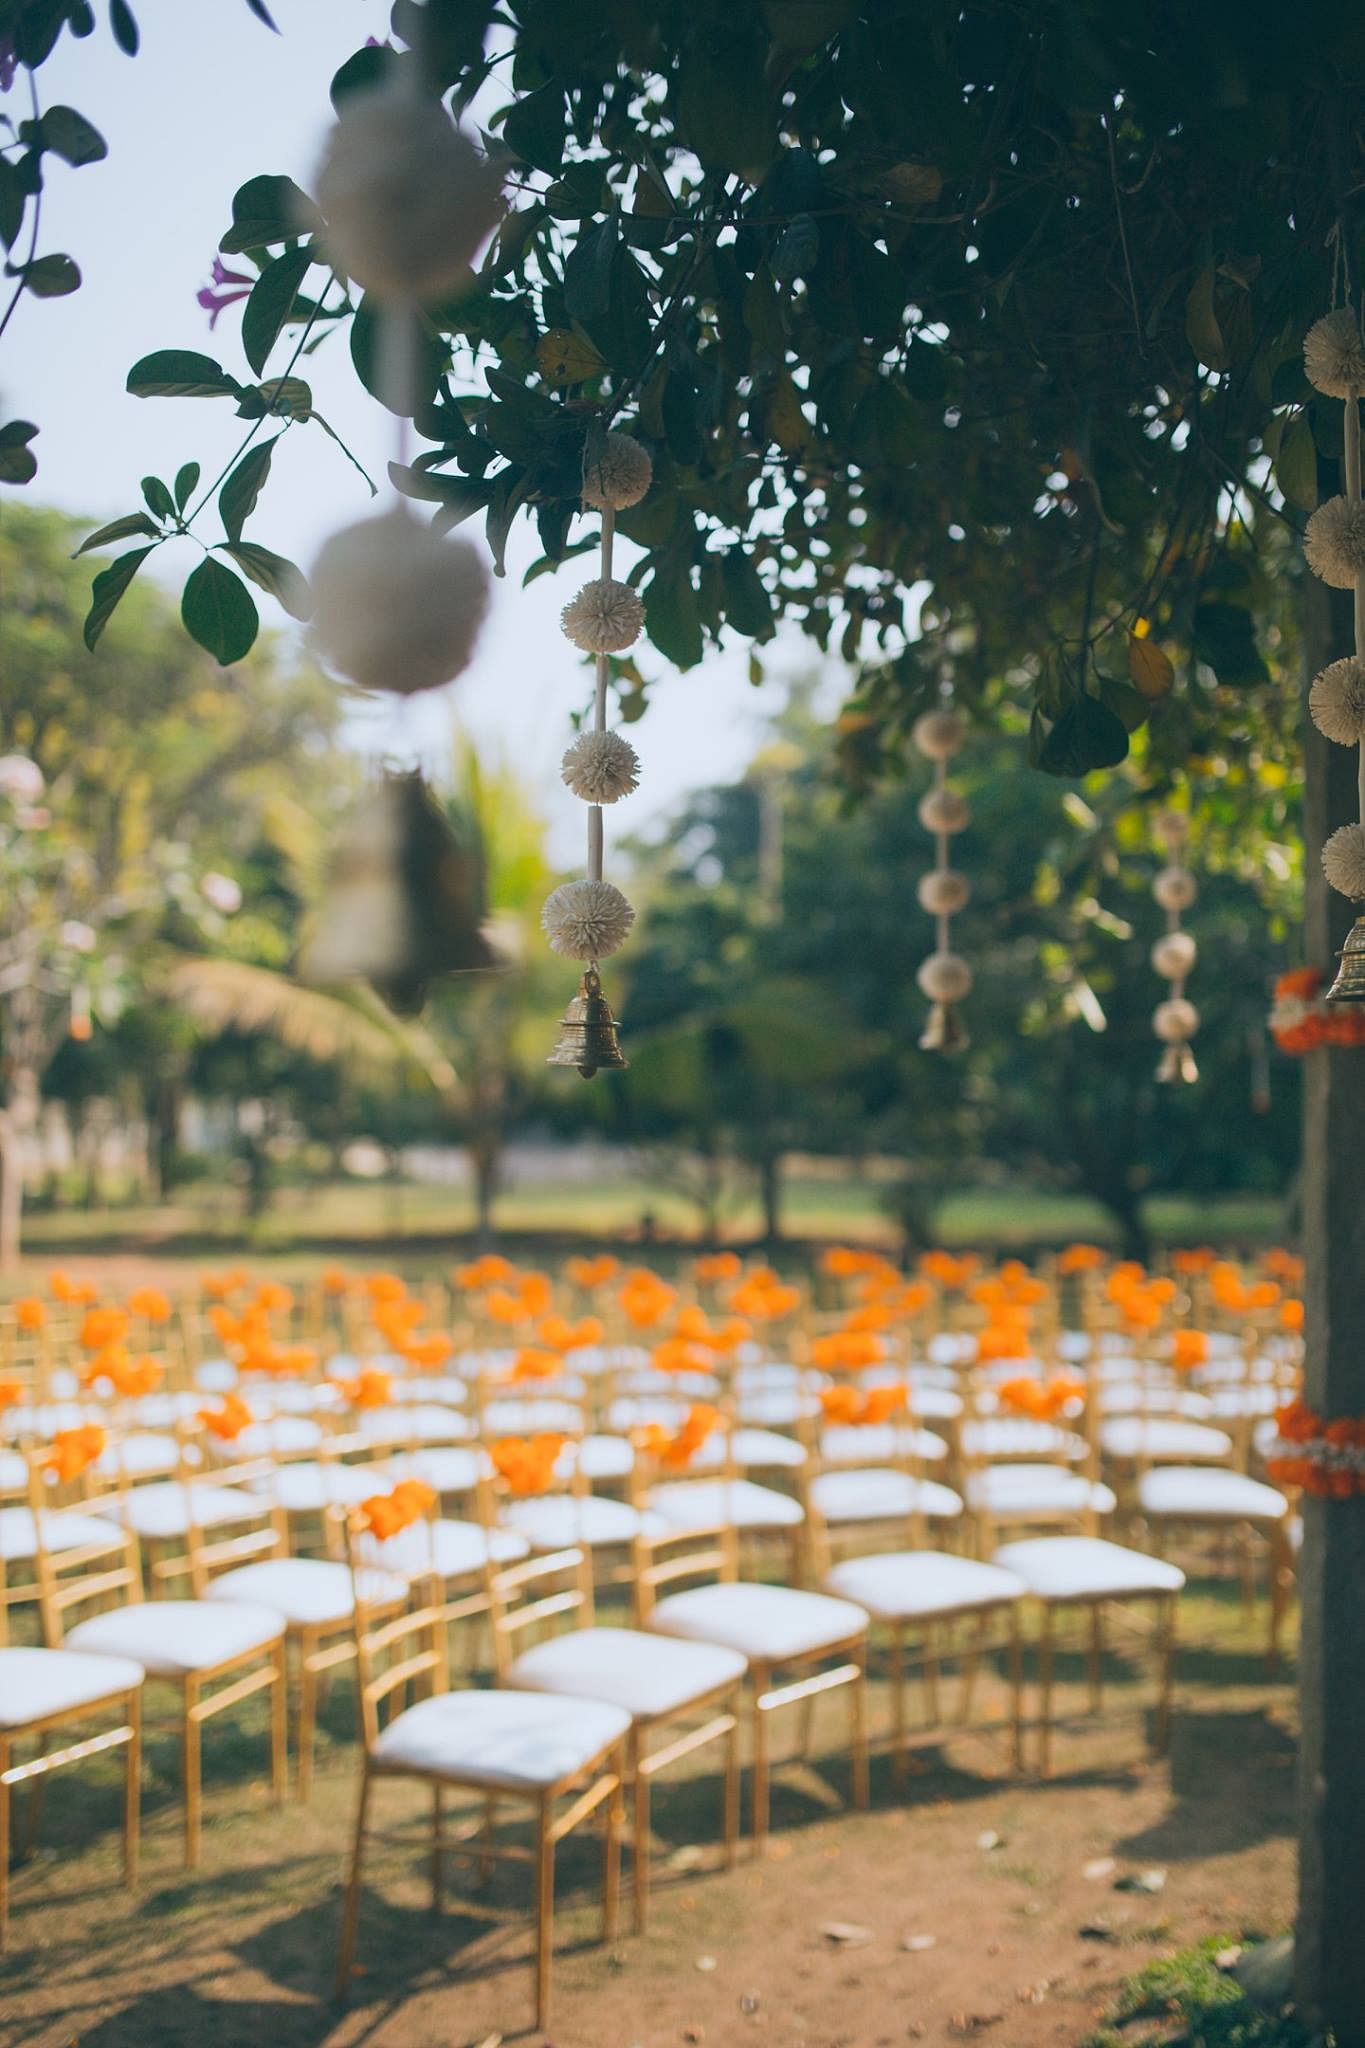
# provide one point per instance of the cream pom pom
(1334, 542)
(944, 810)
(943, 892)
(1334, 355)
(586, 920)
(1343, 862)
(1174, 955)
(945, 977)
(1336, 702)
(1175, 889)
(620, 476)
(405, 195)
(1175, 1021)
(939, 733)
(601, 767)
(604, 617)
(397, 607)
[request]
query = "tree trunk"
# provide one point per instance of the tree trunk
(487, 1157)
(167, 1102)
(1124, 1204)
(17, 1119)
(1329, 1949)
(770, 1194)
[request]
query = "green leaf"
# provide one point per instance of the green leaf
(535, 128)
(671, 618)
(588, 273)
(106, 590)
(1202, 329)
(1296, 464)
(287, 398)
(268, 209)
(362, 72)
(48, 277)
(159, 501)
(1224, 636)
(1087, 735)
(218, 612)
(186, 477)
(71, 137)
(180, 373)
(432, 356)
(748, 607)
(118, 529)
(13, 198)
(262, 13)
(124, 27)
(270, 304)
(725, 110)
(18, 464)
(275, 573)
(237, 499)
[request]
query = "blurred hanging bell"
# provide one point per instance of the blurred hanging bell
(1178, 1064)
(1349, 986)
(944, 1030)
(404, 902)
(588, 1034)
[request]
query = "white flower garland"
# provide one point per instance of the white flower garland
(1334, 545)
(944, 977)
(1173, 956)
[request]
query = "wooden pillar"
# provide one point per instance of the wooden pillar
(1330, 1939)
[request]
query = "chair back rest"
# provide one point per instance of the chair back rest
(101, 1570)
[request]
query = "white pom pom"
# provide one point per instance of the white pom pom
(601, 767)
(406, 197)
(586, 920)
(1175, 889)
(1175, 1021)
(620, 476)
(1336, 702)
(1171, 829)
(1174, 956)
(943, 892)
(944, 810)
(939, 733)
(945, 978)
(604, 617)
(1334, 355)
(397, 607)
(1343, 862)
(1334, 542)
(20, 778)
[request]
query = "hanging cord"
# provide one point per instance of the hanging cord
(603, 676)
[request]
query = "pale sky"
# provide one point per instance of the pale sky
(211, 99)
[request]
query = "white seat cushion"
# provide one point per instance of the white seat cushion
(532, 1417)
(751, 1449)
(62, 1530)
(905, 1585)
(879, 1443)
(308, 1487)
(36, 1683)
(1133, 1397)
(1237, 1401)
(453, 1549)
(1019, 1436)
(767, 1624)
(307, 1592)
(167, 1507)
(1209, 1493)
(723, 1503)
(880, 1494)
(425, 1422)
(139, 1455)
(775, 1407)
(447, 1468)
(1018, 1491)
(171, 1637)
(1163, 1437)
(554, 1521)
(606, 1457)
(13, 1472)
(647, 1675)
(289, 1434)
(517, 1741)
(1083, 1568)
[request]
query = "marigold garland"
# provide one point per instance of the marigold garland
(1323, 1458)
(859, 1407)
(526, 1464)
(676, 1449)
(228, 1421)
(383, 1515)
(73, 1451)
(1301, 1019)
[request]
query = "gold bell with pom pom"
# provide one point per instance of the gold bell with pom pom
(1349, 986)
(944, 1030)
(589, 1037)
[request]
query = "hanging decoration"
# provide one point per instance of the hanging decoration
(589, 920)
(1174, 954)
(405, 198)
(944, 977)
(1302, 1019)
(1334, 544)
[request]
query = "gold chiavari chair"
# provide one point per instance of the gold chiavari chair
(528, 1751)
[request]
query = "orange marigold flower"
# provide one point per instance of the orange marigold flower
(11, 1392)
(1188, 1349)
(371, 1388)
(1291, 1314)
(229, 1420)
(714, 1268)
(101, 1327)
(151, 1304)
(1079, 1258)
(30, 1313)
(526, 1464)
(73, 1451)
(531, 1364)
(590, 1274)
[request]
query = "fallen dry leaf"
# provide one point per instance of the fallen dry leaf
(705, 1963)
(973, 2022)
(1102, 1866)
(917, 1943)
(1142, 1881)
(990, 1840)
(846, 1933)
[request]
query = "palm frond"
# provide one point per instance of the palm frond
(233, 995)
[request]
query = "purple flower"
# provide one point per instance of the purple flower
(213, 298)
(9, 63)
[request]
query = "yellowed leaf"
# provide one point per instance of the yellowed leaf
(564, 357)
(1149, 667)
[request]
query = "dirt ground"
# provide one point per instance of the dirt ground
(969, 1905)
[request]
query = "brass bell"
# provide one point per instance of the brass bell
(944, 1030)
(1349, 986)
(588, 1033)
(1178, 1064)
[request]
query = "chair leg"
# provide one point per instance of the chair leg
(898, 1730)
(545, 1910)
(308, 1709)
(611, 1848)
(759, 1763)
(931, 1676)
(1095, 1658)
(1281, 1588)
(4, 1844)
(639, 1784)
(350, 1912)
(862, 1791)
(484, 1871)
(1168, 1608)
(33, 1813)
(132, 1790)
(279, 1725)
(1046, 1656)
(190, 1747)
(1016, 1672)
(807, 1729)
(730, 1801)
(971, 1665)
(437, 1845)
